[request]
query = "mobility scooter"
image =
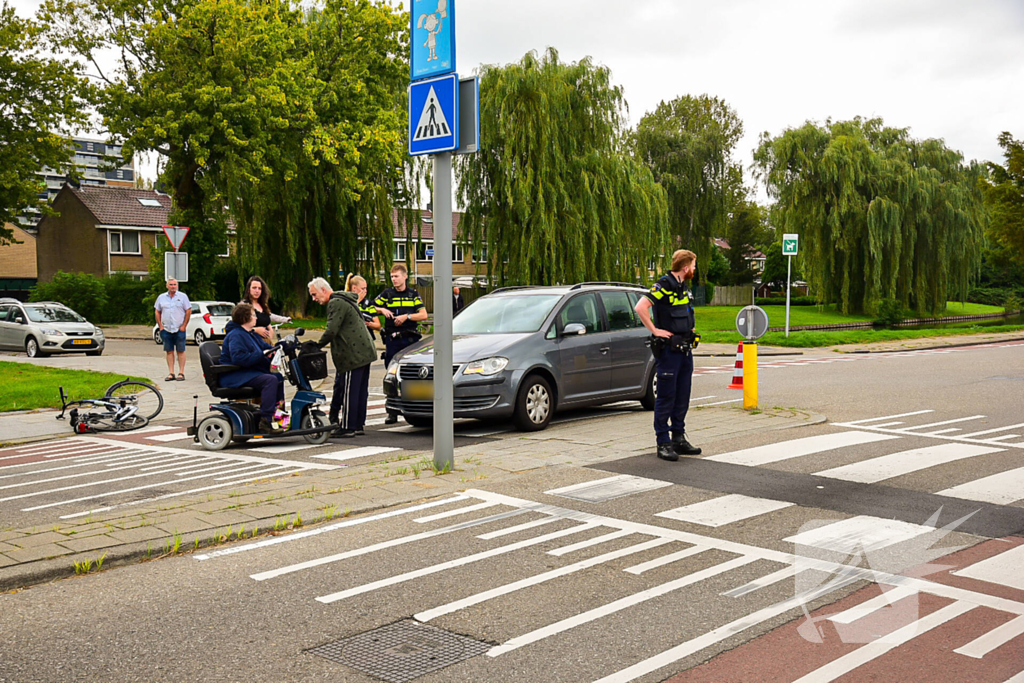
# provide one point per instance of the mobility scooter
(237, 418)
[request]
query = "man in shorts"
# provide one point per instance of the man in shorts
(173, 311)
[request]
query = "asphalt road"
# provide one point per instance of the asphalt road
(718, 548)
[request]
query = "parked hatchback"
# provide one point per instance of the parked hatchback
(525, 353)
(46, 327)
(207, 321)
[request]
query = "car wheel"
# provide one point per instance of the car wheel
(157, 338)
(421, 422)
(534, 405)
(32, 348)
(97, 352)
(214, 433)
(651, 395)
(199, 337)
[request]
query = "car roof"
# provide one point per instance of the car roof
(562, 290)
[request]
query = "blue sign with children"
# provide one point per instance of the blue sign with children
(432, 38)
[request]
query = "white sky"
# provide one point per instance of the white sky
(951, 69)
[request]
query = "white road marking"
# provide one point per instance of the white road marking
(1003, 488)
(871, 651)
(974, 435)
(888, 417)
(538, 579)
(785, 450)
(163, 438)
(719, 403)
(517, 528)
(666, 559)
(608, 488)
(887, 598)
(353, 453)
(618, 605)
(859, 534)
(331, 527)
(997, 637)
(1003, 569)
(724, 510)
(455, 512)
(905, 462)
(274, 450)
(222, 455)
(590, 542)
(108, 459)
(150, 429)
(997, 439)
(433, 569)
(76, 475)
(909, 430)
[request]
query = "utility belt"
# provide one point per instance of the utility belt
(402, 334)
(680, 343)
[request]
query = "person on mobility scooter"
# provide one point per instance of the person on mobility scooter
(235, 420)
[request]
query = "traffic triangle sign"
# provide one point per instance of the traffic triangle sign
(432, 123)
(176, 235)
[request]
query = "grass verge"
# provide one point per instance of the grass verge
(814, 339)
(27, 387)
(724, 317)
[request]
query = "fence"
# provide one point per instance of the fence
(468, 294)
(740, 295)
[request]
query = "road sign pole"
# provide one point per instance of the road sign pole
(444, 427)
(789, 275)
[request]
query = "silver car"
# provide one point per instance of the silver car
(527, 352)
(46, 327)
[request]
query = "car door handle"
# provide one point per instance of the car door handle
(605, 349)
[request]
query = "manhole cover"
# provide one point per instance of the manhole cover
(401, 651)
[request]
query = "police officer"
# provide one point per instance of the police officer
(402, 309)
(672, 333)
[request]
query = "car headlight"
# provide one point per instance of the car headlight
(392, 369)
(487, 366)
(50, 331)
(97, 331)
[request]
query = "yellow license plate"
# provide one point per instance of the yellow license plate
(414, 390)
(84, 342)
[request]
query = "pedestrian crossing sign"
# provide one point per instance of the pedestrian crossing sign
(433, 115)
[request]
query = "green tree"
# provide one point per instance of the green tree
(880, 214)
(1004, 193)
(776, 267)
(688, 144)
(552, 192)
(719, 268)
(39, 96)
(745, 233)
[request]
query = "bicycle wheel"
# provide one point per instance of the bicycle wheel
(145, 396)
(105, 423)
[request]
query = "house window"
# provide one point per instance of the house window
(124, 243)
(227, 249)
(120, 174)
(88, 147)
(155, 203)
(399, 252)
(458, 255)
(482, 256)
(421, 251)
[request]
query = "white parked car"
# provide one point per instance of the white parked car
(207, 321)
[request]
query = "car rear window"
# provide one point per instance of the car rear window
(52, 314)
(505, 314)
(220, 310)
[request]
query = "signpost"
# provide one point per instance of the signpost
(440, 108)
(790, 246)
(751, 323)
(176, 263)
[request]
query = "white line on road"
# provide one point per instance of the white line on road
(974, 435)
(887, 598)
(457, 511)
(939, 424)
(762, 455)
(905, 462)
(597, 540)
(724, 510)
(981, 646)
(888, 417)
(666, 559)
(353, 453)
(1003, 488)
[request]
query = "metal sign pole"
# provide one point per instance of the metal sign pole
(444, 423)
(789, 275)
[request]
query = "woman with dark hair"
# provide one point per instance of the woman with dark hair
(257, 295)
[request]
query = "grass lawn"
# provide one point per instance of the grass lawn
(724, 317)
(811, 338)
(27, 387)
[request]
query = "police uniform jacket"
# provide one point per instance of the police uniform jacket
(405, 302)
(673, 308)
(369, 312)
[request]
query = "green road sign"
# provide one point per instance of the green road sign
(789, 244)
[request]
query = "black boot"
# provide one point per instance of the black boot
(268, 426)
(391, 419)
(666, 452)
(683, 447)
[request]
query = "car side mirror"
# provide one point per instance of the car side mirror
(301, 331)
(574, 328)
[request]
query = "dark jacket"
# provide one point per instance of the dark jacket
(351, 344)
(244, 349)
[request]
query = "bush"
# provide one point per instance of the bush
(126, 300)
(994, 296)
(1013, 304)
(82, 292)
(781, 301)
(889, 312)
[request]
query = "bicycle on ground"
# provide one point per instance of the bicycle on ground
(126, 405)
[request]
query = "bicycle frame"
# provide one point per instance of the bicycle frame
(118, 412)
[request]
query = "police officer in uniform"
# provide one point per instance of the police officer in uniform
(402, 309)
(672, 341)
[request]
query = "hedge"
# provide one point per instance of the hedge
(115, 300)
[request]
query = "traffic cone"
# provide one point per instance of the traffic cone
(737, 375)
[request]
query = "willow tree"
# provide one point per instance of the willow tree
(552, 191)
(880, 214)
(324, 198)
(1005, 195)
(688, 144)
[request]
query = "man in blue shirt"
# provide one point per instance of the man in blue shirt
(173, 311)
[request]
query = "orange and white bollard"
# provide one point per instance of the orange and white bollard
(737, 375)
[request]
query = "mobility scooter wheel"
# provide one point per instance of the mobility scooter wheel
(214, 432)
(311, 420)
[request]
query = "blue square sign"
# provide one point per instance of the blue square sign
(434, 115)
(432, 38)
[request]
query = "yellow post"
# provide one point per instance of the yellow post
(749, 375)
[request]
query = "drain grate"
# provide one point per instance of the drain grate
(401, 651)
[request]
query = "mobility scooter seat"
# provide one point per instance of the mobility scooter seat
(209, 357)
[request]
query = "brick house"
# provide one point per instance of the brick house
(101, 230)
(18, 264)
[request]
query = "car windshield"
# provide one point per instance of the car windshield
(220, 310)
(52, 314)
(505, 314)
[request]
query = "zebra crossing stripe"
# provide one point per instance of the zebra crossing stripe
(786, 450)
(1003, 488)
(905, 462)
(724, 510)
(887, 598)
(997, 637)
